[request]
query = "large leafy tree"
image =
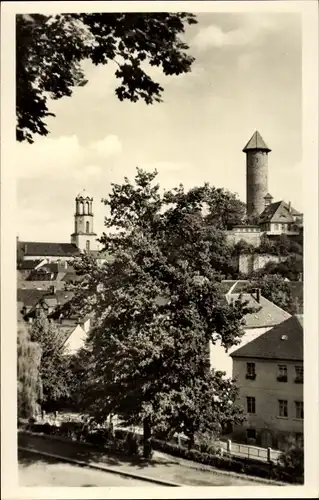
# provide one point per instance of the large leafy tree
(158, 303)
(50, 50)
(28, 373)
(277, 290)
(54, 365)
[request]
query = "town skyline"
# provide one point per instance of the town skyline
(238, 84)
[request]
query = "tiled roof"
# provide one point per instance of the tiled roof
(256, 142)
(27, 265)
(30, 298)
(60, 298)
(72, 276)
(269, 314)
(278, 212)
(283, 342)
(32, 248)
(268, 197)
(66, 332)
(234, 286)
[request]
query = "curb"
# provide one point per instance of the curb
(103, 468)
(190, 464)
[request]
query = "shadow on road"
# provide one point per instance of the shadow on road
(79, 452)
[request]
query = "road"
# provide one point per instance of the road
(161, 467)
(37, 470)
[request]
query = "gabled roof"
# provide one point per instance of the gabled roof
(278, 212)
(256, 142)
(283, 342)
(33, 248)
(27, 265)
(268, 315)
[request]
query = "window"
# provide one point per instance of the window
(283, 408)
(87, 227)
(250, 371)
(282, 373)
(283, 227)
(251, 405)
(251, 433)
(299, 374)
(88, 246)
(299, 409)
(276, 226)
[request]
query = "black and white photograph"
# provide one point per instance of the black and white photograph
(163, 221)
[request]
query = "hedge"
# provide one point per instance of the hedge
(124, 442)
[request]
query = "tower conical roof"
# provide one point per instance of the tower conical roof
(268, 197)
(256, 142)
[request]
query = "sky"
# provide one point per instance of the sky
(246, 77)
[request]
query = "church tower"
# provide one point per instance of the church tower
(84, 237)
(256, 174)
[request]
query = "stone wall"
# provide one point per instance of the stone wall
(251, 237)
(247, 263)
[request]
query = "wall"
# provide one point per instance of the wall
(256, 181)
(267, 391)
(247, 263)
(76, 340)
(81, 239)
(253, 238)
(220, 360)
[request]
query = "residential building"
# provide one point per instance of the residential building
(280, 218)
(269, 374)
(267, 316)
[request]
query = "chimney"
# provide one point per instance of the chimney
(258, 295)
(289, 207)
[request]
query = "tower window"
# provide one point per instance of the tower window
(81, 207)
(87, 245)
(87, 227)
(87, 207)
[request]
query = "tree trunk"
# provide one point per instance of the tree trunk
(147, 433)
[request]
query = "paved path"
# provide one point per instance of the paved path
(162, 466)
(37, 470)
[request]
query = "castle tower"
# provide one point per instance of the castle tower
(256, 174)
(84, 237)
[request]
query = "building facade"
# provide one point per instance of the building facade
(269, 374)
(257, 323)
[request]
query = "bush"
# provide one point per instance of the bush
(289, 468)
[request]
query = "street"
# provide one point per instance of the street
(37, 470)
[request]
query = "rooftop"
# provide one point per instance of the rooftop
(84, 194)
(279, 211)
(256, 142)
(268, 315)
(34, 248)
(283, 342)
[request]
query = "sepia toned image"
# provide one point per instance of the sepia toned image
(160, 248)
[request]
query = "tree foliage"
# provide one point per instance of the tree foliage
(278, 291)
(50, 50)
(158, 302)
(54, 365)
(292, 461)
(28, 376)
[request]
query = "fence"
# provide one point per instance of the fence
(236, 449)
(244, 450)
